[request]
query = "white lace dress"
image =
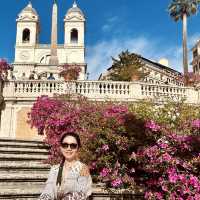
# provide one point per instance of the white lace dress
(73, 186)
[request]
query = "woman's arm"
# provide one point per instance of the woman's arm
(48, 191)
(85, 181)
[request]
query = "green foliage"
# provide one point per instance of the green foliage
(172, 115)
(126, 67)
(178, 8)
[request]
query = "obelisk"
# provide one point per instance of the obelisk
(54, 58)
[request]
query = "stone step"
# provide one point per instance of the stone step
(22, 150)
(11, 156)
(16, 185)
(23, 165)
(22, 169)
(22, 144)
(38, 141)
(20, 176)
(21, 191)
(19, 197)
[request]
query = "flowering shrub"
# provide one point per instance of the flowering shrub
(70, 72)
(125, 147)
(168, 172)
(4, 67)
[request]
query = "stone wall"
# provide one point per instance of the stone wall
(23, 129)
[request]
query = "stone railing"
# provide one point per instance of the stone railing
(99, 90)
(157, 91)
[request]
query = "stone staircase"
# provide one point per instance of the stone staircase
(22, 171)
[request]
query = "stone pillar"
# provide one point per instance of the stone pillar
(8, 121)
(135, 91)
(197, 90)
(54, 58)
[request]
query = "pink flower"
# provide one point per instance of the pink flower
(163, 143)
(187, 190)
(166, 157)
(173, 178)
(196, 123)
(104, 172)
(159, 195)
(93, 165)
(148, 195)
(197, 196)
(152, 125)
(171, 170)
(164, 188)
(182, 178)
(117, 182)
(105, 147)
(194, 181)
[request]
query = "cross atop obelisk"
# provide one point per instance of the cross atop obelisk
(54, 58)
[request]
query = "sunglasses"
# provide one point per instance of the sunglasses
(72, 145)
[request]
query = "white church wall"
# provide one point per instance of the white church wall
(24, 54)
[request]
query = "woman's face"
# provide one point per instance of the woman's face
(69, 148)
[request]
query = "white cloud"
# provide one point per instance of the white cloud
(99, 55)
(110, 23)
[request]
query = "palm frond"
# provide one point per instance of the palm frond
(178, 8)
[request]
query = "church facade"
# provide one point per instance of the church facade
(33, 60)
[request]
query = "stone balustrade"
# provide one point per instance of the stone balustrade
(19, 97)
(99, 90)
(157, 91)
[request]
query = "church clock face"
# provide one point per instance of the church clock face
(24, 55)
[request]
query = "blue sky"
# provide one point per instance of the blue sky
(142, 26)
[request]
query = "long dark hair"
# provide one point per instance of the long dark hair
(78, 140)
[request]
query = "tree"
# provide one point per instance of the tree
(127, 67)
(182, 9)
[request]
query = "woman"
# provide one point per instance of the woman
(71, 179)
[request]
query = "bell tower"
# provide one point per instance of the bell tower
(74, 40)
(74, 24)
(27, 33)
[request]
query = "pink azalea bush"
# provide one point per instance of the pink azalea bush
(166, 167)
(123, 149)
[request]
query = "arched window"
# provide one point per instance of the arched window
(26, 35)
(74, 36)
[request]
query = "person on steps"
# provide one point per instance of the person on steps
(71, 179)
